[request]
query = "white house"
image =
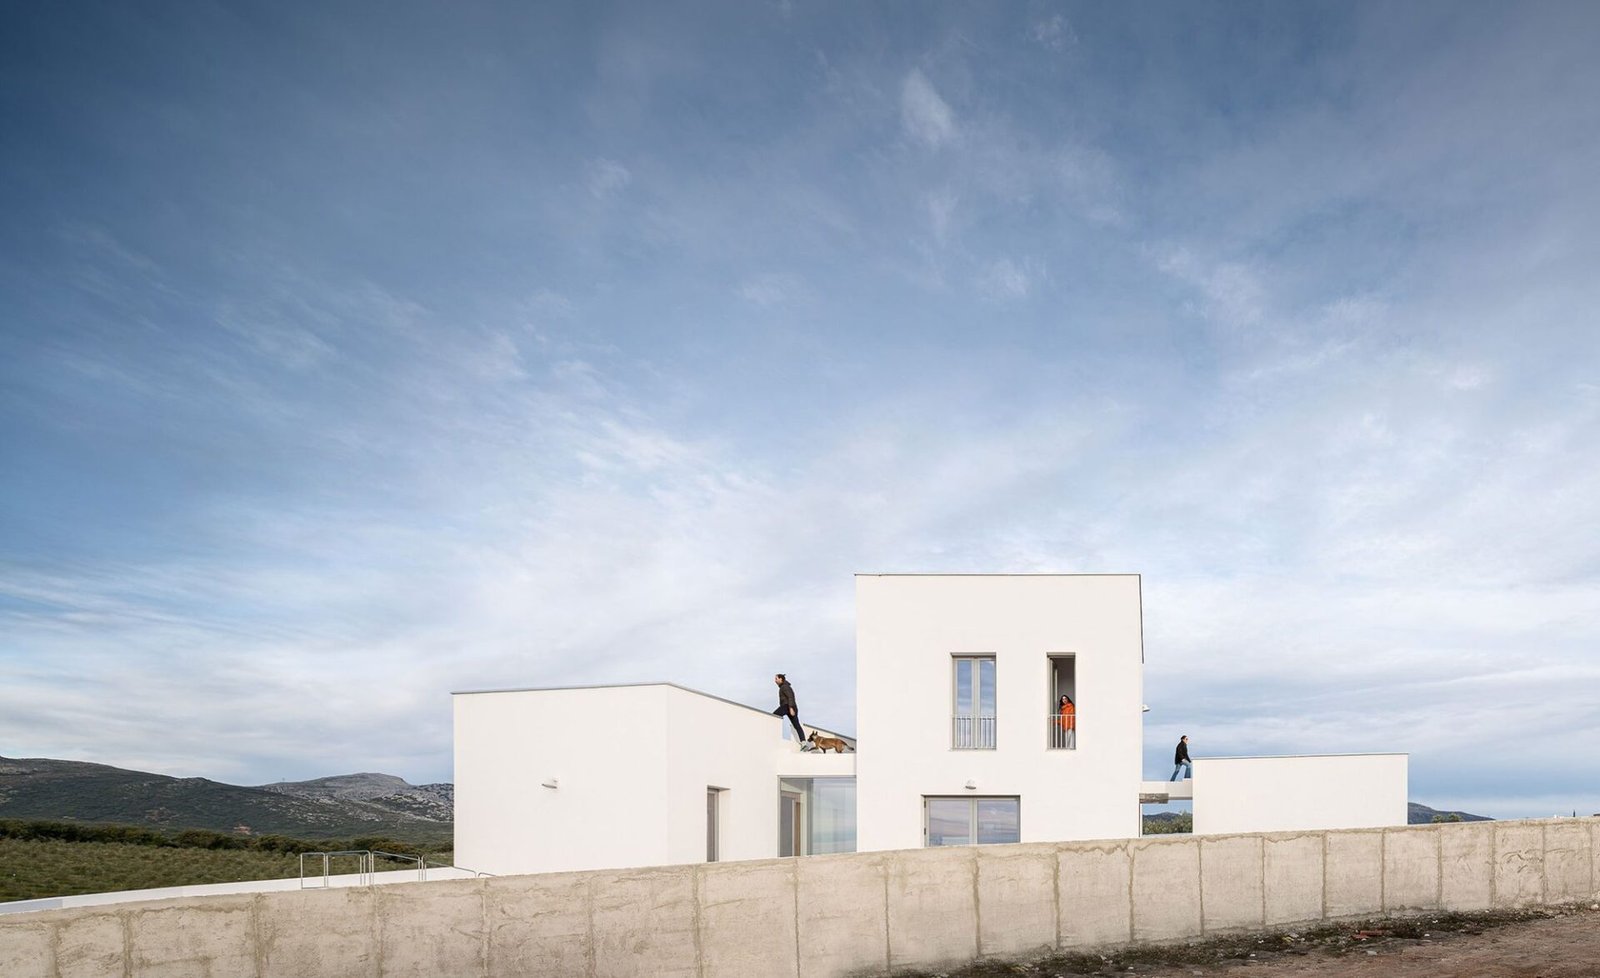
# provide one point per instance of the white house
(958, 681)
(605, 777)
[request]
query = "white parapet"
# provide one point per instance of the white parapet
(792, 763)
(1302, 791)
(432, 874)
(1161, 792)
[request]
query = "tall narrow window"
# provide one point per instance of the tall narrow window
(1061, 722)
(713, 828)
(972, 720)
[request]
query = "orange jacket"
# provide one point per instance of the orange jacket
(1067, 718)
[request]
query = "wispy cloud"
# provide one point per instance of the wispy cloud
(772, 289)
(923, 114)
(617, 351)
(1053, 32)
(607, 178)
(1005, 279)
(1229, 292)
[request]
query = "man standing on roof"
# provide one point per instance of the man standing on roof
(1180, 760)
(786, 707)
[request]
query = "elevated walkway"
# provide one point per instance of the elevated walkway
(1162, 792)
(791, 762)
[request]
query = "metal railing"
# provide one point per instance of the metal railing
(367, 867)
(972, 733)
(1061, 731)
(327, 874)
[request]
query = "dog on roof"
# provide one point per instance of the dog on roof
(825, 744)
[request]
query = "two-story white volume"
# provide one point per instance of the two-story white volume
(959, 680)
(989, 709)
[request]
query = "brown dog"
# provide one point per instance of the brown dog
(826, 744)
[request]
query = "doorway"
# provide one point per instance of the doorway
(791, 823)
(1062, 721)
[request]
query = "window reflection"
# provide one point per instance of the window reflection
(826, 815)
(949, 821)
(962, 821)
(999, 820)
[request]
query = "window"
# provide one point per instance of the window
(1061, 719)
(972, 720)
(816, 815)
(713, 826)
(969, 821)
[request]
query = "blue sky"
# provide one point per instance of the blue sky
(356, 355)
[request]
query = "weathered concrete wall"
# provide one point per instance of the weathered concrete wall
(818, 917)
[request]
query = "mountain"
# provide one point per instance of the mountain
(1422, 815)
(341, 807)
(435, 802)
(1165, 816)
(1415, 815)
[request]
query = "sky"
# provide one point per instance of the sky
(358, 353)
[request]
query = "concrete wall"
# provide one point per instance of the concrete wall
(821, 916)
(1299, 791)
(908, 628)
(632, 765)
(245, 886)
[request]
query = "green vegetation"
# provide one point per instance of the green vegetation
(1169, 823)
(31, 868)
(73, 791)
(1449, 817)
(45, 859)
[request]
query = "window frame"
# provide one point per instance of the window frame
(972, 819)
(714, 823)
(1055, 740)
(974, 717)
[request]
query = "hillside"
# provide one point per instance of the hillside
(1160, 823)
(340, 807)
(434, 802)
(1422, 815)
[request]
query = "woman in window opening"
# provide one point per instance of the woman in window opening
(1067, 720)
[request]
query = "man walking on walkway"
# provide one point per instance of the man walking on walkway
(786, 708)
(1180, 760)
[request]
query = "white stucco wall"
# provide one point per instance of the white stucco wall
(1308, 791)
(632, 764)
(733, 747)
(908, 628)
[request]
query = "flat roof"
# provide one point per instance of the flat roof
(677, 686)
(997, 574)
(1274, 757)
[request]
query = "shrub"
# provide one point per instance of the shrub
(1183, 823)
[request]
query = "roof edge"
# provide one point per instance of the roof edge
(677, 686)
(996, 574)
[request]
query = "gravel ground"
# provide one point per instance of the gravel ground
(1561, 942)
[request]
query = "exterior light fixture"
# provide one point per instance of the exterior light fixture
(972, 786)
(551, 783)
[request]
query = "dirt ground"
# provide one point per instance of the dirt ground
(1545, 943)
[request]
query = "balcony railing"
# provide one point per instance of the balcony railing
(972, 733)
(1062, 731)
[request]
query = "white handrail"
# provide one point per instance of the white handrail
(1061, 731)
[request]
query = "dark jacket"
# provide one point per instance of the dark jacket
(1181, 755)
(785, 697)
